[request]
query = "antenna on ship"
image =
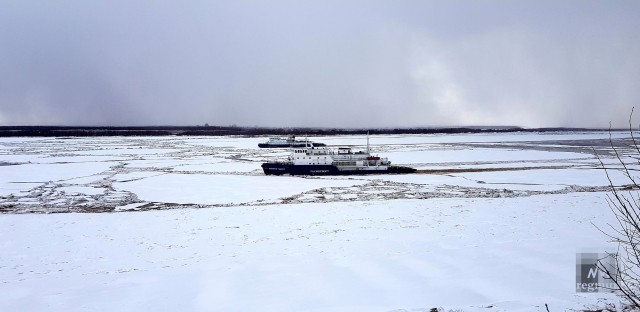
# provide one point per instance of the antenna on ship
(367, 142)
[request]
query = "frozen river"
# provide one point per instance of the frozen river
(492, 222)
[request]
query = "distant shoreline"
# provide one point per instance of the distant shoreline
(90, 131)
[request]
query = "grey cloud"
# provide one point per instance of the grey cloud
(319, 63)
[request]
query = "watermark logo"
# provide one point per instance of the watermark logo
(595, 272)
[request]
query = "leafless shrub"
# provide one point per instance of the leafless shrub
(624, 202)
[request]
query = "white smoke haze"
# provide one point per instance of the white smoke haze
(319, 63)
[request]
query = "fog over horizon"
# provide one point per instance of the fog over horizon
(289, 63)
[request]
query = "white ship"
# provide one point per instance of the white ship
(290, 141)
(311, 160)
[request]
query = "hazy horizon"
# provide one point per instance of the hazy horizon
(331, 64)
(488, 127)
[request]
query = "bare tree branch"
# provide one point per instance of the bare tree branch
(626, 234)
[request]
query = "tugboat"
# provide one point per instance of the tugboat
(311, 160)
(277, 142)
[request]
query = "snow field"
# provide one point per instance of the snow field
(196, 226)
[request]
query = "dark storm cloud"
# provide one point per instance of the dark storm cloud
(319, 63)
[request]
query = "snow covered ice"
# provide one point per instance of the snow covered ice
(491, 223)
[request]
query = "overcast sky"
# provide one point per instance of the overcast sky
(395, 63)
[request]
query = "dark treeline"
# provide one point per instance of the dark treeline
(62, 131)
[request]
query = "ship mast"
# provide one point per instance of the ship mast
(367, 142)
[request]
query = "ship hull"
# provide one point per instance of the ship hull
(297, 144)
(281, 168)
